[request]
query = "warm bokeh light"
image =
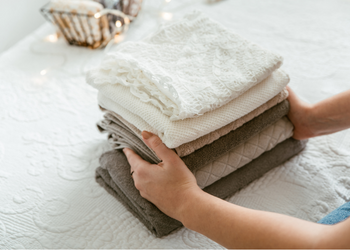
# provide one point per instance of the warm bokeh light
(118, 24)
(167, 15)
(97, 15)
(119, 38)
(43, 72)
(168, 1)
(51, 38)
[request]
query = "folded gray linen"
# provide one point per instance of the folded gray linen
(121, 136)
(114, 176)
(204, 155)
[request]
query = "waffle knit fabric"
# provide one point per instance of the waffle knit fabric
(145, 116)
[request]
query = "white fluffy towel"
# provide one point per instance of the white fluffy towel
(188, 67)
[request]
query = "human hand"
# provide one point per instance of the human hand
(301, 116)
(169, 185)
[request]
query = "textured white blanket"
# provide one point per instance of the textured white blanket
(188, 67)
(146, 116)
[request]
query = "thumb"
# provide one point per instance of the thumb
(155, 143)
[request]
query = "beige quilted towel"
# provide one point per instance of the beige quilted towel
(244, 153)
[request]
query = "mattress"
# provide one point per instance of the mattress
(49, 144)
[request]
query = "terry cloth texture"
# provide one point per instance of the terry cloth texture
(190, 147)
(114, 176)
(226, 143)
(188, 67)
(338, 215)
(224, 165)
(121, 137)
(147, 117)
(213, 171)
(210, 152)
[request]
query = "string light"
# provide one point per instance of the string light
(43, 72)
(167, 15)
(51, 38)
(119, 38)
(97, 15)
(118, 24)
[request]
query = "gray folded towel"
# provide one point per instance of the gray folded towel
(121, 136)
(114, 176)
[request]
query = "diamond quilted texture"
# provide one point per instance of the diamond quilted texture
(245, 153)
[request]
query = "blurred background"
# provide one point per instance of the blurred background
(28, 18)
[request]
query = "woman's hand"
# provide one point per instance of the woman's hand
(301, 116)
(173, 189)
(170, 185)
(325, 117)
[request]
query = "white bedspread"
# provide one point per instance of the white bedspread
(49, 145)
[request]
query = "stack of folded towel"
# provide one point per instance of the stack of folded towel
(215, 98)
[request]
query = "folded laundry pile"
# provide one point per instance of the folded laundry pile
(216, 99)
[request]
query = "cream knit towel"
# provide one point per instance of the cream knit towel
(188, 67)
(190, 147)
(145, 116)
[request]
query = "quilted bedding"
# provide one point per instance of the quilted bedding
(49, 145)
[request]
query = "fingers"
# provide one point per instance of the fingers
(292, 97)
(134, 159)
(139, 170)
(155, 143)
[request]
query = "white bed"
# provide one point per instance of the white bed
(49, 144)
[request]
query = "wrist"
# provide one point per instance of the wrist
(318, 123)
(190, 201)
(194, 206)
(311, 128)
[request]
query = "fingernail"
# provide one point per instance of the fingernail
(146, 135)
(124, 150)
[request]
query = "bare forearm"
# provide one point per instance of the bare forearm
(237, 227)
(331, 115)
(173, 189)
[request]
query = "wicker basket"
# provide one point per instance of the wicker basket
(88, 30)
